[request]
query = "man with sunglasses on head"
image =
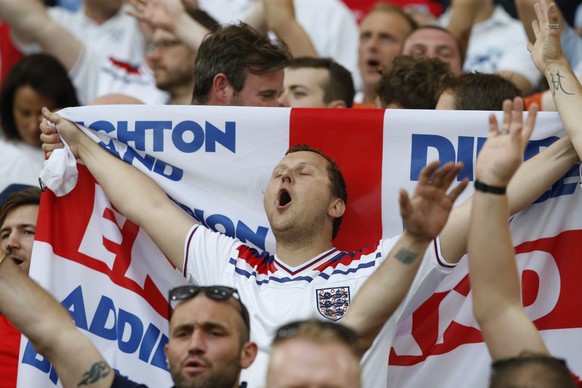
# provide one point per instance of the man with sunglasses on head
(208, 343)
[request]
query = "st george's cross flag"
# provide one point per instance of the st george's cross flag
(216, 161)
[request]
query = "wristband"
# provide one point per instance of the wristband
(480, 186)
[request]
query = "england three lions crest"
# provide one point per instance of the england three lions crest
(333, 303)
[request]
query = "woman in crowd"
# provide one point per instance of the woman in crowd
(37, 80)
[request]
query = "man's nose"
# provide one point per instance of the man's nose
(197, 343)
(284, 100)
(11, 242)
(286, 176)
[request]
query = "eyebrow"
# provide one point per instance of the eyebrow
(214, 325)
(297, 86)
(303, 165)
(204, 325)
(18, 226)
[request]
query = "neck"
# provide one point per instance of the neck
(299, 251)
(181, 95)
(99, 16)
(369, 95)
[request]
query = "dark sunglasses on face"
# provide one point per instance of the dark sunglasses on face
(213, 292)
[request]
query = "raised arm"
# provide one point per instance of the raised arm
(531, 180)
(280, 18)
(170, 15)
(463, 15)
(163, 221)
(37, 315)
(494, 279)
(424, 216)
(549, 58)
(30, 19)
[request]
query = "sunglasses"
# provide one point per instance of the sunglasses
(291, 329)
(213, 292)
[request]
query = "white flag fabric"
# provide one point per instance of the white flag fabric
(215, 162)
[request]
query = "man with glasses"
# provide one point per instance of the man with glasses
(168, 77)
(208, 343)
(171, 60)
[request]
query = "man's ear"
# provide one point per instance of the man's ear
(221, 89)
(166, 354)
(337, 208)
(337, 104)
(248, 354)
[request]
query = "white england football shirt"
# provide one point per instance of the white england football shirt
(120, 36)
(94, 76)
(322, 288)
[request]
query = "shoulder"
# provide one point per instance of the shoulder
(59, 13)
(120, 381)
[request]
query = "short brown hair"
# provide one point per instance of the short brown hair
(339, 84)
(319, 332)
(529, 369)
(30, 196)
(479, 91)
(462, 53)
(413, 83)
(235, 50)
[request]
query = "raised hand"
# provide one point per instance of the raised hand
(502, 153)
(54, 125)
(426, 212)
(157, 13)
(546, 48)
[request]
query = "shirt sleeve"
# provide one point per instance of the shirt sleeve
(120, 381)
(433, 269)
(210, 257)
(572, 46)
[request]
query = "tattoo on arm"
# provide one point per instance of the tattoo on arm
(98, 371)
(557, 83)
(405, 256)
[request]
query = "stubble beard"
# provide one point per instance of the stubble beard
(296, 230)
(226, 377)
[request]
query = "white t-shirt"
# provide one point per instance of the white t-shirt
(19, 163)
(572, 47)
(330, 24)
(94, 76)
(499, 44)
(322, 288)
(119, 36)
